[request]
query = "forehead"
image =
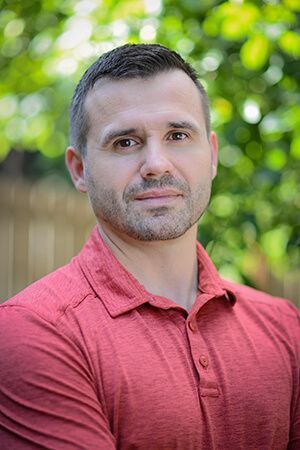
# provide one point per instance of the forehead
(163, 97)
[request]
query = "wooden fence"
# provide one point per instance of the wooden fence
(43, 226)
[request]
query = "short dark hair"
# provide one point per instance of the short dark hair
(127, 62)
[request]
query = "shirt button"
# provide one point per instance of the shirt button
(192, 326)
(203, 361)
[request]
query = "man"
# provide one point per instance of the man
(138, 343)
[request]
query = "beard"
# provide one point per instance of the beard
(152, 223)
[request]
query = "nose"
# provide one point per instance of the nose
(156, 162)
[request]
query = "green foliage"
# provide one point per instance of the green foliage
(247, 56)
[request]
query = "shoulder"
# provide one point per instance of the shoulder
(52, 295)
(259, 299)
(276, 314)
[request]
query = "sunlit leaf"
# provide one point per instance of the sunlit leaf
(290, 43)
(255, 52)
(222, 205)
(229, 155)
(222, 109)
(276, 159)
(231, 273)
(274, 242)
(278, 13)
(295, 147)
(292, 4)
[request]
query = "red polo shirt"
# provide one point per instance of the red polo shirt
(92, 361)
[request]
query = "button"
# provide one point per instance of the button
(204, 361)
(192, 326)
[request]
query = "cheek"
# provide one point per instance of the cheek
(195, 168)
(110, 177)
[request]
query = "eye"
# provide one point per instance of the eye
(178, 136)
(125, 143)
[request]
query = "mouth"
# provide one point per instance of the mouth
(158, 196)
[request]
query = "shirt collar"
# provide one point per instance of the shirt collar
(120, 291)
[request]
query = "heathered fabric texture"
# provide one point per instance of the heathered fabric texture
(90, 360)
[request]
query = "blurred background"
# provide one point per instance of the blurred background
(246, 54)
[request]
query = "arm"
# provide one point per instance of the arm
(294, 441)
(47, 395)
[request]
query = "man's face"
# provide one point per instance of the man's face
(149, 163)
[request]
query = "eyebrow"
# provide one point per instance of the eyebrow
(116, 133)
(183, 124)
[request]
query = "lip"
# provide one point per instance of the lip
(158, 194)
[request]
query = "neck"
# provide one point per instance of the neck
(165, 268)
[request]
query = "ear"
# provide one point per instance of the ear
(214, 152)
(75, 165)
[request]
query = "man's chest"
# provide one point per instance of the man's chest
(165, 383)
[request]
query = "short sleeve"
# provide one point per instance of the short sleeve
(48, 397)
(294, 441)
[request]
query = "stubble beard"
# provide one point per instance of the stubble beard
(154, 223)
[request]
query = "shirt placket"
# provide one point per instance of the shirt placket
(207, 385)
